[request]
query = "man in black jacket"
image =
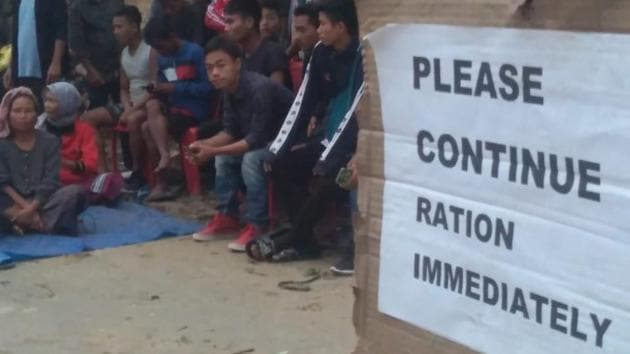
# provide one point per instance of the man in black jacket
(39, 43)
(319, 136)
(92, 42)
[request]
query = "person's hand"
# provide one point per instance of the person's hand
(27, 218)
(38, 223)
(163, 88)
(199, 153)
(54, 72)
(267, 167)
(312, 126)
(6, 79)
(353, 182)
(293, 48)
(95, 79)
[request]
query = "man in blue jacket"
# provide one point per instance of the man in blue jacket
(182, 95)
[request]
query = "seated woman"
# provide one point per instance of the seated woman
(79, 150)
(31, 197)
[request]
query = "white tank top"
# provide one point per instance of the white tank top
(136, 67)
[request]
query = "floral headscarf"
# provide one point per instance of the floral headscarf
(5, 107)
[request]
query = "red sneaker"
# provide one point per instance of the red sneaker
(220, 225)
(249, 233)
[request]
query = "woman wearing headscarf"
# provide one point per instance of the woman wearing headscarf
(79, 150)
(31, 196)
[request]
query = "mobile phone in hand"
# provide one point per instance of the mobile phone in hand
(344, 177)
(150, 88)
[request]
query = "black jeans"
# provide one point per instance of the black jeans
(292, 174)
(324, 192)
(100, 96)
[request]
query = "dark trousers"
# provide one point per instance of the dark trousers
(100, 96)
(59, 214)
(324, 192)
(292, 174)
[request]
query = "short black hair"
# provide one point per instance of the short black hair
(342, 11)
(158, 28)
(270, 5)
(245, 8)
(224, 43)
(279, 7)
(131, 14)
(310, 10)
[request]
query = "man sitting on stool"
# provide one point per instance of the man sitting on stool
(254, 107)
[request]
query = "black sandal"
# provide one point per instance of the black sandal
(287, 255)
(261, 249)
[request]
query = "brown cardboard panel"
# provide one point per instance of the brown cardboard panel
(374, 230)
(373, 247)
(375, 201)
(363, 152)
(371, 101)
(381, 334)
(376, 152)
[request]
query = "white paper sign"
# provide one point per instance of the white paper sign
(506, 221)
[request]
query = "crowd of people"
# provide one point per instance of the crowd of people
(269, 88)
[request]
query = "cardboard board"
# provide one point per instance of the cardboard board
(379, 333)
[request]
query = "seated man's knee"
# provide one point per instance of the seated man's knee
(255, 159)
(221, 163)
(253, 162)
(153, 107)
(144, 128)
(135, 122)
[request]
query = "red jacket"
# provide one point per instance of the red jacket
(80, 145)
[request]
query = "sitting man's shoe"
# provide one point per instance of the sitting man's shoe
(249, 233)
(134, 182)
(221, 225)
(345, 266)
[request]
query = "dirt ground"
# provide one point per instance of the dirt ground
(171, 296)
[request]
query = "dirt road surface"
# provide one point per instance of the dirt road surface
(171, 296)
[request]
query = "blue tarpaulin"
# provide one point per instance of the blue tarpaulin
(101, 227)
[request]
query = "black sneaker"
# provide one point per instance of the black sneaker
(345, 266)
(134, 182)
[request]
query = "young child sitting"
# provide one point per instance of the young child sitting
(31, 197)
(79, 150)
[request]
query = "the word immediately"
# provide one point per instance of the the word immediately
(459, 220)
(543, 169)
(545, 311)
(511, 85)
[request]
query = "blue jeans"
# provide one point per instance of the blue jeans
(235, 172)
